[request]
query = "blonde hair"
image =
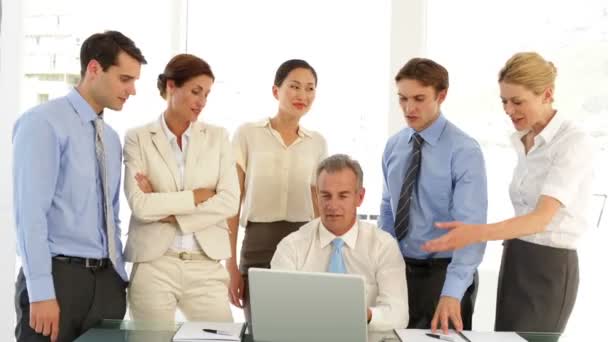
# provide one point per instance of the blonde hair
(530, 70)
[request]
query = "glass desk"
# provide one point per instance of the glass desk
(138, 331)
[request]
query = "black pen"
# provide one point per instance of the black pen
(218, 332)
(464, 337)
(440, 337)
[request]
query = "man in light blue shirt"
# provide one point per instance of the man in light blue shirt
(433, 172)
(66, 172)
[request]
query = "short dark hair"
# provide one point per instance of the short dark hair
(288, 66)
(105, 47)
(425, 71)
(182, 68)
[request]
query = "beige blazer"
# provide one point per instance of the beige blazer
(209, 164)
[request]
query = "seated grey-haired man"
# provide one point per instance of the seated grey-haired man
(338, 242)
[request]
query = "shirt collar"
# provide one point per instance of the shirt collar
(350, 237)
(82, 107)
(547, 134)
(302, 132)
(432, 133)
(168, 133)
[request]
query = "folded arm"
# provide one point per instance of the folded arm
(153, 206)
(224, 203)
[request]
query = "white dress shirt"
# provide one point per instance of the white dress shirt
(278, 177)
(559, 165)
(368, 251)
(182, 242)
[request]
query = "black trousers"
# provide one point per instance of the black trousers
(537, 287)
(85, 297)
(425, 279)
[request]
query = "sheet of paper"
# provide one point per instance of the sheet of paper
(419, 335)
(193, 331)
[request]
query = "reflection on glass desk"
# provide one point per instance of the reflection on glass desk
(139, 331)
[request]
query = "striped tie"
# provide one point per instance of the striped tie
(107, 203)
(402, 218)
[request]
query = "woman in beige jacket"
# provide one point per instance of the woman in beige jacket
(181, 185)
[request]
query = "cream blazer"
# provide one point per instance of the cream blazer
(209, 164)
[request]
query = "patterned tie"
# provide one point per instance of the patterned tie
(402, 218)
(107, 203)
(336, 262)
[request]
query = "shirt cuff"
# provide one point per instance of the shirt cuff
(454, 287)
(41, 288)
(376, 323)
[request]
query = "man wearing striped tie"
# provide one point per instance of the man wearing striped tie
(338, 242)
(433, 172)
(67, 168)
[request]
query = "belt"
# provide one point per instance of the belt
(85, 262)
(187, 255)
(428, 263)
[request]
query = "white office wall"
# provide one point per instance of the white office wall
(10, 80)
(408, 23)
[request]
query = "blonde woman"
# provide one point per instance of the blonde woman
(276, 163)
(181, 186)
(550, 192)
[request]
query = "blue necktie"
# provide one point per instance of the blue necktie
(336, 261)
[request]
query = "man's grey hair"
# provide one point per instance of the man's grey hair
(339, 162)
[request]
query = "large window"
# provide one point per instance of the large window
(54, 31)
(347, 42)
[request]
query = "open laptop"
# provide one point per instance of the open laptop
(293, 306)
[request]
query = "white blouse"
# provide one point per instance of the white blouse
(182, 242)
(277, 177)
(559, 165)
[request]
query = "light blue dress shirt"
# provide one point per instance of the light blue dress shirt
(451, 186)
(57, 189)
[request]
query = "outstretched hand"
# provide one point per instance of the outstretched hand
(459, 235)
